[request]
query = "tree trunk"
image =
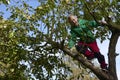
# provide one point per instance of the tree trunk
(112, 54)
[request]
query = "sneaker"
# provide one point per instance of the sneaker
(104, 66)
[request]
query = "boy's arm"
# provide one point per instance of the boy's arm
(91, 23)
(95, 24)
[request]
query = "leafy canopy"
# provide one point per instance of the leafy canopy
(27, 36)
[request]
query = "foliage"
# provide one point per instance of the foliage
(5, 2)
(27, 35)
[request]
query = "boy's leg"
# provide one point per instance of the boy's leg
(89, 55)
(82, 48)
(101, 60)
(94, 47)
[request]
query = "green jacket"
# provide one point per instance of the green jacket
(82, 31)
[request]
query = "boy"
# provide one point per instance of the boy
(87, 42)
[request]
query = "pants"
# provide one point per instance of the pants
(91, 50)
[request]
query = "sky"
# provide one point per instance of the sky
(103, 46)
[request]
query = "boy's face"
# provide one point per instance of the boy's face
(73, 20)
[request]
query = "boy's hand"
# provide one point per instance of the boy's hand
(103, 21)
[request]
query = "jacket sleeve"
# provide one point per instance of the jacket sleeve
(92, 23)
(72, 40)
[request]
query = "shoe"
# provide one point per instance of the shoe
(104, 66)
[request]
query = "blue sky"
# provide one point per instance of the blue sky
(103, 46)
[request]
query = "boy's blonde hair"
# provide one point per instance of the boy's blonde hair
(69, 17)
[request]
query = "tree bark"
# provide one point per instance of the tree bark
(112, 54)
(114, 26)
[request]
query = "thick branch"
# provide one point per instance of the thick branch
(100, 74)
(112, 54)
(115, 26)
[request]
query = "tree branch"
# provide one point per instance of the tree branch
(114, 26)
(112, 54)
(110, 24)
(91, 13)
(99, 73)
(76, 55)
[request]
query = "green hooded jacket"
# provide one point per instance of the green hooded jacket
(82, 32)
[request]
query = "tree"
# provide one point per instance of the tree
(38, 36)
